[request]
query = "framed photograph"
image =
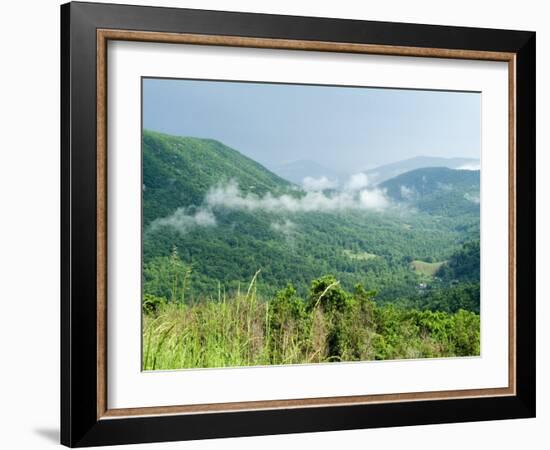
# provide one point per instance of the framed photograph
(277, 224)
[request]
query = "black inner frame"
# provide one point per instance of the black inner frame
(79, 423)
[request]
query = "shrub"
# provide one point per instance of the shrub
(331, 325)
(151, 303)
(289, 325)
(326, 292)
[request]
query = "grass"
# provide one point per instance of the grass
(426, 268)
(332, 325)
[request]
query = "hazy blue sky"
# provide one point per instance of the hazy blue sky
(340, 127)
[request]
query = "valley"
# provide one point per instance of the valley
(371, 246)
(221, 233)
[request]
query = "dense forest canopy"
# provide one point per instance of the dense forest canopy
(372, 247)
(437, 190)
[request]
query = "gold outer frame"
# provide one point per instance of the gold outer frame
(104, 35)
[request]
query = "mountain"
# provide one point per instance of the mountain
(222, 244)
(437, 190)
(296, 171)
(178, 171)
(387, 171)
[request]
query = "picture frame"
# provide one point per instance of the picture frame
(86, 30)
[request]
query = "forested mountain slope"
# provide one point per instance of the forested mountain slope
(437, 190)
(385, 172)
(178, 171)
(212, 218)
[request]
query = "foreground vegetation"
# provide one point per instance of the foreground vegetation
(329, 325)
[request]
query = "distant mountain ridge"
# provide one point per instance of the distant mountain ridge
(437, 190)
(382, 173)
(296, 171)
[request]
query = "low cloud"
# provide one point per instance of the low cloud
(318, 184)
(445, 186)
(472, 198)
(472, 166)
(230, 196)
(407, 192)
(357, 182)
(373, 199)
(286, 227)
(183, 220)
